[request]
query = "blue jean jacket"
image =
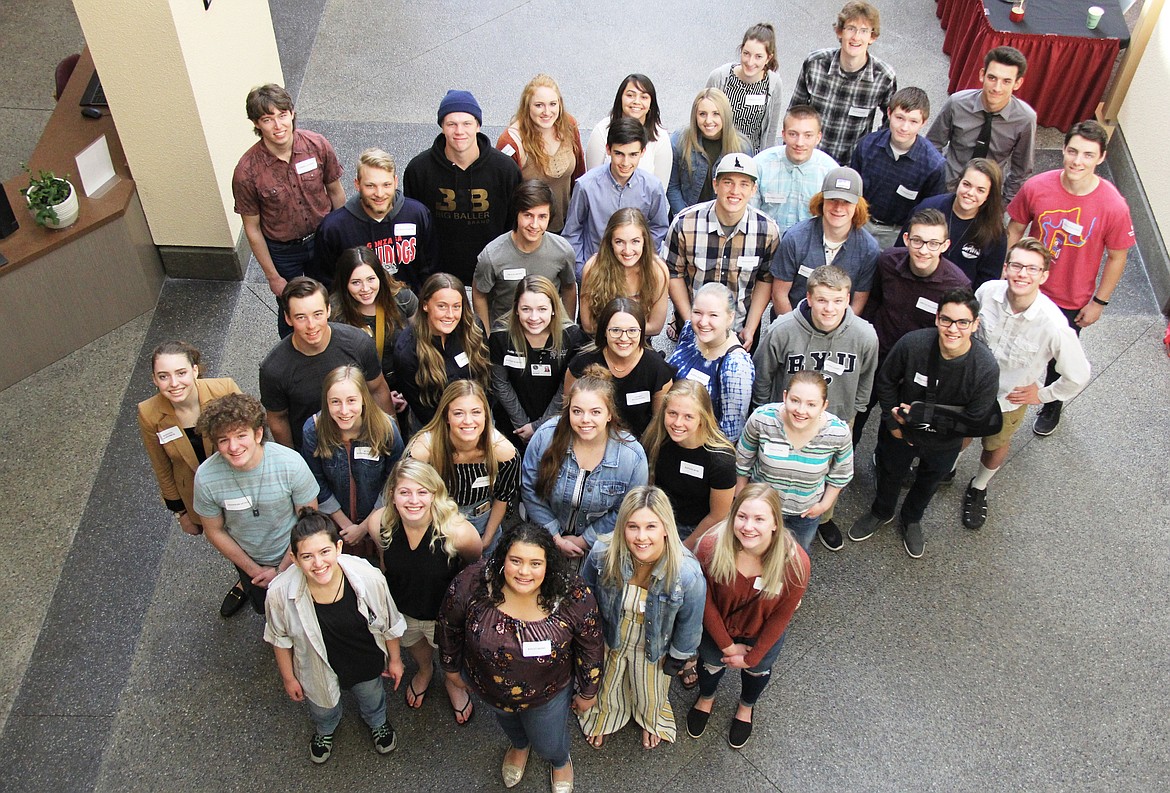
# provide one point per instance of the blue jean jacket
(685, 186)
(674, 610)
(622, 467)
(332, 474)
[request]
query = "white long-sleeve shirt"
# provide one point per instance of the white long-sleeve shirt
(1024, 343)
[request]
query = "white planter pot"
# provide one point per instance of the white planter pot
(67, 210)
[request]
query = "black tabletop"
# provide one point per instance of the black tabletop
(1060, 17)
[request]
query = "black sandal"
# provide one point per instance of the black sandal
(688, 678)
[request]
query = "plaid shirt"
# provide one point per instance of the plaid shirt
(699, 253)
(847, 102)
(894, 187)
(785, 188)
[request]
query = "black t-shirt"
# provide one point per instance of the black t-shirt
(406, 367)
(349, 646)
(535, 375)
(634, 392)
(291, 381)
(418, 578)
(689, 475)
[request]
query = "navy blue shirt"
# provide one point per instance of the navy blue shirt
(894, 186)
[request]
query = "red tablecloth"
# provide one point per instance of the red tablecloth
(1066, 77)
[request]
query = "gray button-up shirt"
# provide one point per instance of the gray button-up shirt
(1013, 137)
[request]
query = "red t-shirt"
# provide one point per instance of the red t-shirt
(1077, 229)
(290, 197)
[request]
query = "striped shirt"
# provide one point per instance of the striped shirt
(470, 487)
(699, 252)
(748, 114)
(764, 454)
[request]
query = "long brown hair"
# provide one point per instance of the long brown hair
(596, 379)
(530, 135)
(607, 277)
(376, 430)
(710, 435)
(438, 431)
(987, 228)
(539, 285)
(432, 371)
(344, 308)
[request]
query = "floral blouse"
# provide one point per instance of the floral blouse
(517, 664)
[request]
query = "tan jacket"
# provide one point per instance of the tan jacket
(174, 462)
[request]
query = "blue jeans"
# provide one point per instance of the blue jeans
(754, 679)
(371, 701)
(290, 260)
(803, 529)
(544, 728)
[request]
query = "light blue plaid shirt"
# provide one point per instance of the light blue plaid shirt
(784, 189)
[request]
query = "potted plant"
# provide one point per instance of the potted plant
(51, 199)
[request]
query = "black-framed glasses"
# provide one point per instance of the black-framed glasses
(961, 324)
(931, 245)
(617, 333)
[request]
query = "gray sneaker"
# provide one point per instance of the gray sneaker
(913, 540)
(866, 525)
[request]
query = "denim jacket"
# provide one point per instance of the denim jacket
(685, 186)
(674, 612)
(332, 474)
(623, 466)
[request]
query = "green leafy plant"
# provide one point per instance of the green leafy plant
(44, 192)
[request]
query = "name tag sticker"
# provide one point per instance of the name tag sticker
(920, 378)
(541, 370)
(237, 504)
(405, 230)
(304, 166)
(906, 192)
(480, 481)
(513, 362)
(773, 449)
(536, 649)
(508, 149)
(698, 376)
(832, 367)
(754, 100)
(758, 583)
(641, 606)
(804, 270)
(365, 453)
(1072, 228)
(170, 434)
(514, 273)
(774, 198)
(638, 398)
(748, 262)
(927, 305)
(461, 360)
(690, 469)
(859, 112)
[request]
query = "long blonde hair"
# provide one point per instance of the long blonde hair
(710, 435)
(432, 371)
(437, 432)
(377, 430)
(618, 556)
(540, 285)
(607, 277)
(444, 511)
(780, 560)
(530, 135)
(691, 140)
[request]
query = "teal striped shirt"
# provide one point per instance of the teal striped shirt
(799, 475)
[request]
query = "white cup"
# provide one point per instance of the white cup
(1095, 13)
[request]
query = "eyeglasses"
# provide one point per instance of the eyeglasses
(854, 30)
(1030, 269)
(961, 324)
(617, 333)
(931, 245)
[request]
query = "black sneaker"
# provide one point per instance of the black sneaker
(385, 739)
(866, 525)
(830, 536)
(1047, 419)
(950, 477)
(913, 540)
(974, 507)
(320, 748)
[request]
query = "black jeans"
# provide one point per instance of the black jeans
(256, 595)
(894, 460)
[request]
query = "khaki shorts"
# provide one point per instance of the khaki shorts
(1011, 423)
(417, 631)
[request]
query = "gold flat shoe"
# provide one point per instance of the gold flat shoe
(514, 773)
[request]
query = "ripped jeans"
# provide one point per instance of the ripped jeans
(753, 681)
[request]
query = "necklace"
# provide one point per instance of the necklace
(622, 369)
(336, 595)
(254, 502)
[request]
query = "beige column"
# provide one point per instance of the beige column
(176, 73)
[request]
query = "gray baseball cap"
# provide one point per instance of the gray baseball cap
(842, 183)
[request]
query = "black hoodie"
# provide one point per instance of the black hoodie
(403, 240)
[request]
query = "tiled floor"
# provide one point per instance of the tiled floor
(1029, 656)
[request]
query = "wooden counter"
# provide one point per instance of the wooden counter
(62, 289)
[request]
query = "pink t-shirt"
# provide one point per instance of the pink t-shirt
(1077, 229)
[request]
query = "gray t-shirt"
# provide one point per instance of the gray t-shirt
(291, 380)
(502, 266)
(272, 489)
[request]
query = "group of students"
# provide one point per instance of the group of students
(509, 473)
